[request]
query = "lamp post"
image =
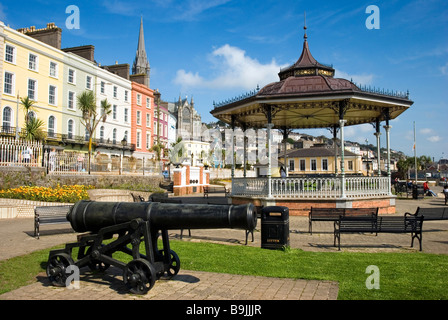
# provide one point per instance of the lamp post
(123, 143)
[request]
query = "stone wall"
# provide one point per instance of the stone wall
(12, 177)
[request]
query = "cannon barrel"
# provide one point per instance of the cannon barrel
(91, 216)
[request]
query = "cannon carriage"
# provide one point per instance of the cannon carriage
(127, 225)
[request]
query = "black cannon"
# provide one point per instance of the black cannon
(133, 223)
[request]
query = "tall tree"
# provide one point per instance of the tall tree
(86, 102)
(33, 128)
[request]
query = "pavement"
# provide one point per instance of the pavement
(17, 238)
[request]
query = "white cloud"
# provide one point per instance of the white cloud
(234, 70)
(426, 131)
(444, 69)
(434, 138)
(364, 79)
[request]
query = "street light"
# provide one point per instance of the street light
(123, 143)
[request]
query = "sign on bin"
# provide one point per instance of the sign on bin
(275, 227)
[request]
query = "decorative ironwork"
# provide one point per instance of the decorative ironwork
(236, 99)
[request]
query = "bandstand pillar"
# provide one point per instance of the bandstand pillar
(387, 127)
(341, 131)
(378, 145)
(233, 152)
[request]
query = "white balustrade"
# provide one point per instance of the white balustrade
(312, 188)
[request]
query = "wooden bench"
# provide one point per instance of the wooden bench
(402, 187)
(333, 214)
(433, 213)
(408, 223)
(215, 189)
(49, 215)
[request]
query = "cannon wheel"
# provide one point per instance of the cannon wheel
(56, 268)
(97, 265)
(140, 276)
(174, 266)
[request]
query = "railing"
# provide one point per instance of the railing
(20, 152)
(312, 188)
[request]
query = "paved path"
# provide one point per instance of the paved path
(16, 238)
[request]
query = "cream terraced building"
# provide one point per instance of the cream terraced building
(33, 64)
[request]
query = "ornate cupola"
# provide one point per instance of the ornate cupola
(306, 65)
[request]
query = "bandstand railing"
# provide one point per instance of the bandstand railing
(314, 188)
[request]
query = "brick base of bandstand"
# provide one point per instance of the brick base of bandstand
(301, 207)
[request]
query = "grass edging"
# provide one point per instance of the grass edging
(402, 276)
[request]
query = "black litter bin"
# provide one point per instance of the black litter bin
(418, 192)
(274, 227)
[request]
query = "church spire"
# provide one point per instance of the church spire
(141, 64)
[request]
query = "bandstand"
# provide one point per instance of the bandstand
(309, 96)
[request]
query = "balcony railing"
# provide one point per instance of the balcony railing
(65, 138)
(313, 188)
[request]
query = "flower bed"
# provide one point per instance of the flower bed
(70, 194)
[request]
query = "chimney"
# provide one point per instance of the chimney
(50, 35)
(86, 52)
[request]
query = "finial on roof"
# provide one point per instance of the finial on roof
(304, 27)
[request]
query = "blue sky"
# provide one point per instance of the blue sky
(217, 49)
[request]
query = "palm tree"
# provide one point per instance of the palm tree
(177, 151)
(86, 102)
(33, 126)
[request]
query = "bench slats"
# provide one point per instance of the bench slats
(50, 215)
(333, 214)
(405, 224)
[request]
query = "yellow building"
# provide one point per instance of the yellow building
(32, 68)
(320, 160)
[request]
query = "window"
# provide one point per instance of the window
(51, 126)
(148, 141)
(7, 119)
(114, 112)
(139, 139)
(139, 99)
(139, 120)
(32, 62)
(8, 86)
(302, 165)
(70, 129)
(148, 103)
(32, 89)
(115, 92)
(313, 164)
(125, 135)
(126, 95)
(126, 117)
(71, 100)
(148, 120)
(324, 164)
(89, 82)
(291, 164)
(114, 136)
(10, 54)
(103, 87)
(71, 76)
(350, 165)
(102, 134)
(53, 69)
(52, 95)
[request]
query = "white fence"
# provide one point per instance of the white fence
(20, 152)
(30, 153)
(312, 188)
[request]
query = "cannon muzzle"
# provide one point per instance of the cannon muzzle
(91, 216)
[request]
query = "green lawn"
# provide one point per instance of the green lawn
(403, 276)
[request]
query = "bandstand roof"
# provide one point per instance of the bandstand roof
(308, 96)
